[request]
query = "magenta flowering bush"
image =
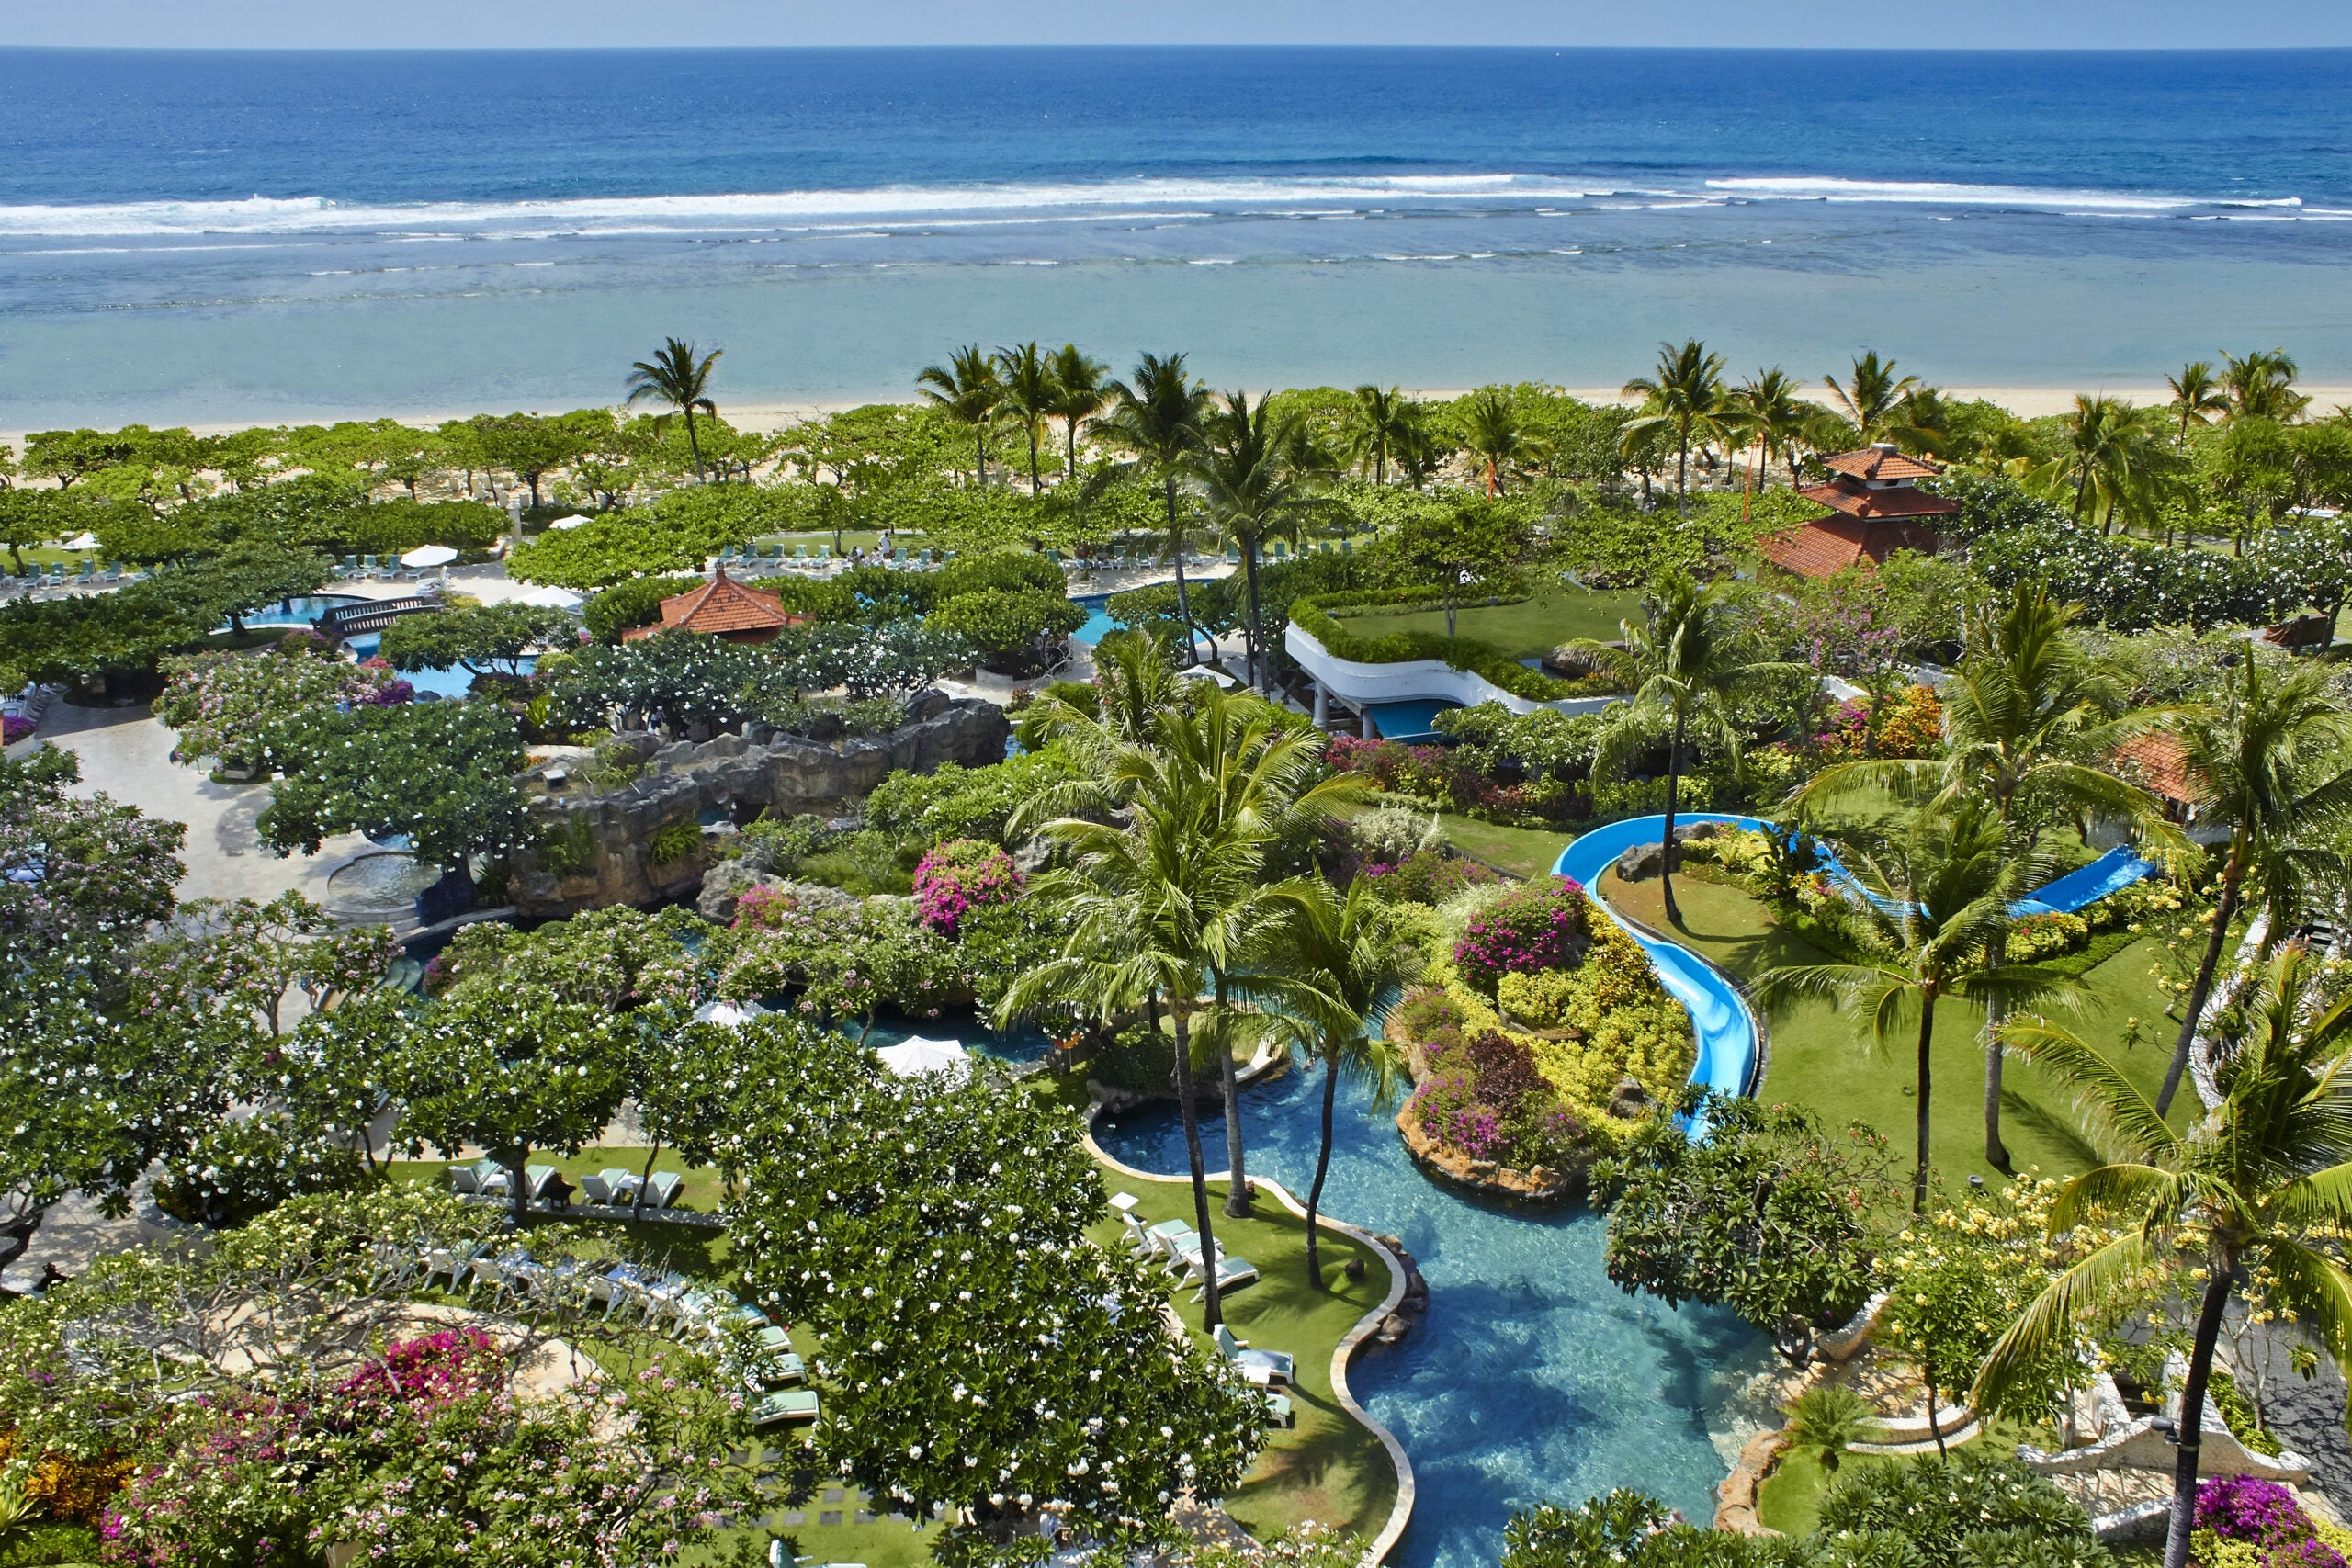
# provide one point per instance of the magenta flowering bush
(430, 1370)
(1544, 925)
(13, 728)
(2244, 1507)
(961, 875)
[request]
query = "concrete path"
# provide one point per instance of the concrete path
(126, 754)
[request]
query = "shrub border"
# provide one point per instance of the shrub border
(1312, 615)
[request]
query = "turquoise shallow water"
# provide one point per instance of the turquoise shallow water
(219, 235)
(1534, 1379)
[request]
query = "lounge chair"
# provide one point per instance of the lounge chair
(785, 1405)
(596, 1190)
(621, 1184)
(1261, 1367)
(1232, 1273)
(1232, 555)
(1171, 1239)
(492, 1180)
(462, 1179)
(537, 1178)
(778, 1362)
(1279, 1412)
(663, 1189)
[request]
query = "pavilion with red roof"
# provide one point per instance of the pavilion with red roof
(723, 608)
(1875, 509)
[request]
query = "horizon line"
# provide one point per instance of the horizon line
(1067, 47)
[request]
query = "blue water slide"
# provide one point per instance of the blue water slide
(1719, 1015)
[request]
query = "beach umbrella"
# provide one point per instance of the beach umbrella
(914, 1057)
(574, 520)
(429, 555)
(552, 598)
(82, 542)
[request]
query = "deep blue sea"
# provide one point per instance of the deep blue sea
(221, 236)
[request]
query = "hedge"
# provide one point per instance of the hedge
(1312, 615)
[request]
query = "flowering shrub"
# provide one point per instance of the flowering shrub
(428, 1371)
(2244, 1522)
(13, 728)
(959, 877)
(2037, 937)
(1910, 725)
(1545, 925)
(1426, 878)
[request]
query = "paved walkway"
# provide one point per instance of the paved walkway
(126, 754)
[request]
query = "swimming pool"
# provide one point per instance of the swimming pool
(1098, 624)
(298, 612)
(452, 685)
(1534, 1379)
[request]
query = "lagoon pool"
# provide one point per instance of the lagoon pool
(452, 685)
(1098, 624)
(1534, 1379)
(298, 612)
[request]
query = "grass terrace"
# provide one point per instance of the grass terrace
(1525, 629)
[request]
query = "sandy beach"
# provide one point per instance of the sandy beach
(2030, 402)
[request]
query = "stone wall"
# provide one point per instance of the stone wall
(736, 774)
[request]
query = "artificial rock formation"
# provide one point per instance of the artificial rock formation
(599, 849)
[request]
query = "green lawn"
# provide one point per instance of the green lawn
(1523, 630)
(1523, 851)
(1817, 1059)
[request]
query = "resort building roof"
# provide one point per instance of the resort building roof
(1875, 509)
(723, 608)
(2157, 763)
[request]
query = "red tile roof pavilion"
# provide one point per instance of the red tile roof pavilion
(1874, 511)
(723, 608)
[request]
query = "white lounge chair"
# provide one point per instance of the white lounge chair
(1261, 1367)
(1232, 1273)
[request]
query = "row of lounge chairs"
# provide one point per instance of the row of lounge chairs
(660, 1302)
(58, 575)
(612, 1186)
(1178, 1244)
(380, 569)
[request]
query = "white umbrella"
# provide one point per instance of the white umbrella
(914, 1057)
(82, 542)
(552, 598)
(429, 555)
(574, 520)
(729, 1015)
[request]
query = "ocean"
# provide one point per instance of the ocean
(222, 237)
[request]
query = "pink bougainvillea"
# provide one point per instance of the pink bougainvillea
(429, 1370)
(1545, 925)
(961, 875)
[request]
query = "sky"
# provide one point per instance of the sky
(465, 24)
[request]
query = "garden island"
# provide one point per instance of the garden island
(1082, 968)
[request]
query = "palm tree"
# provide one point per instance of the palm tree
(1380, 424)
(1258, 476)
(2112, 454)
(1030, 395)
(968, 389)
(1872, 397)
(1081, 392)
(1494, 436)
(1134, 684)
(1765, 413)
(2260, 1187)
(1938, 908)
(1686, 662)
(1349, 956)
(2196, 397)
(2026, 717)
(2267, 763)
(1685, 394)
(2262, 386)
(678, 375)
(1157, 417)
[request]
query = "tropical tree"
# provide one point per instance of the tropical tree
(2261, 385)
(1686, 662)
(1081, 391)
(1466, 543)
(677, 376)
(1157, 417)
(1378, 426)
(1031, 396)
(1495, 436)
(480, 639)
(1259, 475)
(2269, 761)
(1936, 906)
(1349, 956)
(1685, 394)
(1765, 413)
(1873, 396)
(2112, 450)
(2260, 1187)
(968, 390)
(2027, 719)
(2197, 396)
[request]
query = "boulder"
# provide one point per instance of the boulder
(1642, 862)
(723, 886)
(1629, 1102)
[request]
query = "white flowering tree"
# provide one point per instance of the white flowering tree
(981, 1353)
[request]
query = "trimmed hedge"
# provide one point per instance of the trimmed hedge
(1313, 615)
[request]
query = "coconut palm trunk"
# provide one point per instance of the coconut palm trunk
(1673, 790)
(2191, 1430)
(1237, 1193)
(1925, 1070)
(1257, 628)
(1211, 1314)
(1322, 1169)
(1176, 549)
(1996, 1152)
(2232, 877)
